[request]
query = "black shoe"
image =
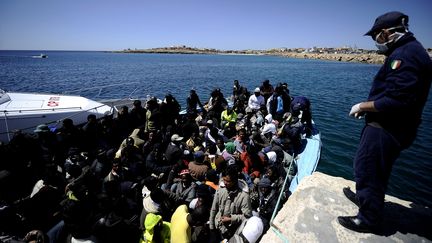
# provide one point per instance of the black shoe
(355, 224)
(351, 196)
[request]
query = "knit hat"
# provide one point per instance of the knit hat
(230, 147)
(264, 183)
(199, 156)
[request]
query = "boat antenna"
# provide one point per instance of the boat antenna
(130, 95)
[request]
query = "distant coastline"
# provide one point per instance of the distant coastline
(334, 54)
(343, 54)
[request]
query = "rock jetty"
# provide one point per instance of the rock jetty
(310, 215)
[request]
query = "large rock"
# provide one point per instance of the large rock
(310, 215)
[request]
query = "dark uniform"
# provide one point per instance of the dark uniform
(399, 91)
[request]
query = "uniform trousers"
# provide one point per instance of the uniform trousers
(373, 162)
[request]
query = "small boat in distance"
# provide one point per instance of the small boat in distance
(41, 56)
(25, 111)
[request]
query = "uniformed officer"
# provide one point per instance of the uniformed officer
(392, 114)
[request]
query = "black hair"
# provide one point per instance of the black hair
(157, 195)
(137, 103)
(199, 215)
(232, 172)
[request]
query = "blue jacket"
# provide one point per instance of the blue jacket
(401, 88)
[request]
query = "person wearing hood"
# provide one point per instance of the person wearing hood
(227, 116)
(392, 112)
(268, 197)
(231, 206)
(228, 153)
(156, 230)
(269, 129)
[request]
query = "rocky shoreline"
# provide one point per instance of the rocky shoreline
(362, 56)
(370, 58)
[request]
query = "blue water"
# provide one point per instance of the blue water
(333, 87)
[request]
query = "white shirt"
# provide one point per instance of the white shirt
(255, 102)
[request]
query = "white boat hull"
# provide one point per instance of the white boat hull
(25, 111)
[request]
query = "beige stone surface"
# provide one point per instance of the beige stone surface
(372, 58)
(310, 215)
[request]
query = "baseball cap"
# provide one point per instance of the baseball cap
(176, 137)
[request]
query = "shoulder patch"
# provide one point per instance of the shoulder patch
(395, 64)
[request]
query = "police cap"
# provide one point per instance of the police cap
(387, 20)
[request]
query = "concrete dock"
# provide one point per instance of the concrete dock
(310, 215)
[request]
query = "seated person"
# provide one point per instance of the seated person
(183, 191)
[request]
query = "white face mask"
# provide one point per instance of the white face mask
(383, 47)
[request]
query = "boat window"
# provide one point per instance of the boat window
(4, 97)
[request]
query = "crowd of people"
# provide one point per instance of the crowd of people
(153, 173)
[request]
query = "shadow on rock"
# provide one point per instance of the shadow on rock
(415, 220)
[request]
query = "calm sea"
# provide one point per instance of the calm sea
(333, 87)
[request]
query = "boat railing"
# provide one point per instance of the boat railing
(46, 109)
(274, 227)
(99, 89)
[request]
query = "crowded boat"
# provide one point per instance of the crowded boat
(216, 170)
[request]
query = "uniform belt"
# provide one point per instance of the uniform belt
(375, 124)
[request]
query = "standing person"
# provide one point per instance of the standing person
(153, 115)
(392, 114)
(192, 101)
(266, 89)
(238, 91)
(231, 205)
(138, 114)
(169, 109)
(183, 222)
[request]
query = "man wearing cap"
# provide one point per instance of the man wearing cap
(392, 115)
(183, 191)
(256, 100)
(174, 152)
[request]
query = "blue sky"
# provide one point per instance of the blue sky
(221, 24)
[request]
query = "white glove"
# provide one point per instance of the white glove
(355, 111)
